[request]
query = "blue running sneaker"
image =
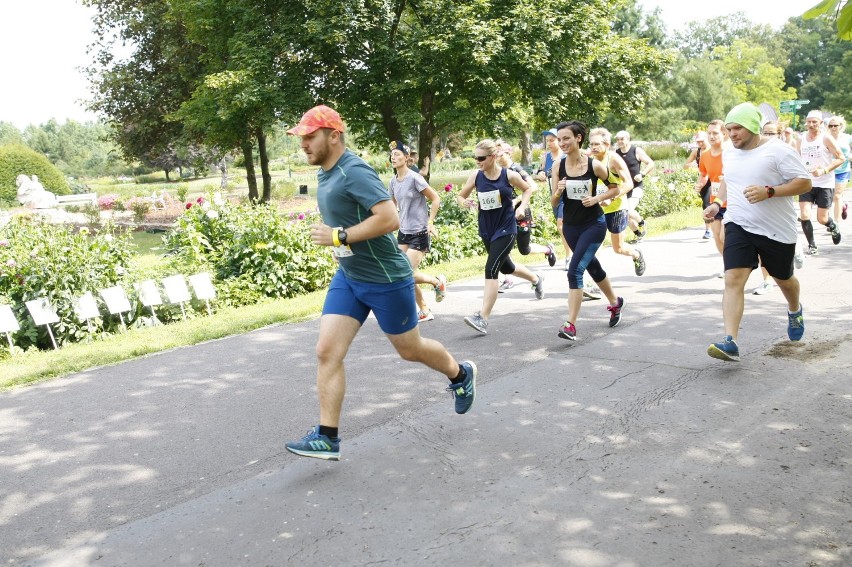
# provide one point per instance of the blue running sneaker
(465, 392)
(795, 325)
(725, 350)
(315, 445)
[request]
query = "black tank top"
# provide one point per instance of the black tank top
(634, 166)
(574, 213)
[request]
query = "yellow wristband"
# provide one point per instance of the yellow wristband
(716, 200)
(334, 237)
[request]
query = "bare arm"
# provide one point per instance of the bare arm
(620, 168)
(435, 199)
(467, 188)
(602, 173)
(384, 219)
(645, 159)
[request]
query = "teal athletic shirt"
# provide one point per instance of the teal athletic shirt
(346, 193)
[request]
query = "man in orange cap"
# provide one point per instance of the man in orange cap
(359, 219)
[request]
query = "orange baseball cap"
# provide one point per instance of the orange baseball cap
(318, 117)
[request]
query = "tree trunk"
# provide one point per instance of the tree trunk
(167, 174)
(427, 129)
(264, 166)
(390, 123)
(526, 148)
(250, 174)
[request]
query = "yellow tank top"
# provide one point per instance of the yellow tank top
(613, 179)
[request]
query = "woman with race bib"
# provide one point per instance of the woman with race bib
(498, 227)
(581, 185)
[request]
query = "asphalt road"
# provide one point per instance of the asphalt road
(630, 447)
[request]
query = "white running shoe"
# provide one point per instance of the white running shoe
(763, 288)
(507, 283)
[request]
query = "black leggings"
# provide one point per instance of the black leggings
(524, 237)
(498, 256)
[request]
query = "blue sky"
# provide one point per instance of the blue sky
(46, 44)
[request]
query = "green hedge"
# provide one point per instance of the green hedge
(16, 159)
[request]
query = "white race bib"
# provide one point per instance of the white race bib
(578, 188)
(489, 200)
(714, 188)
(342, 251)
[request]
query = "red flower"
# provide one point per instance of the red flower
(188, 206)
(200, 200)
(448, 187)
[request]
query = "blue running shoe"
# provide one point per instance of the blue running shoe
(795, 325)
(465, 392)
(315, 445)
(725, 350)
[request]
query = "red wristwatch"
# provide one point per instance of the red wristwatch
(770, 192)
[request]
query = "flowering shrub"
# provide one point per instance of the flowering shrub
(39, 259)
(252, 249)
(670, 192)
(140, 206)
(107, 202)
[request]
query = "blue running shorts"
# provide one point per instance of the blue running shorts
(392, 303)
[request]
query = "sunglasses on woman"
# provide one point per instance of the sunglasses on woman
(481, 158)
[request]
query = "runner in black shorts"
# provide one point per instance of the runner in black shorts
(497, 225)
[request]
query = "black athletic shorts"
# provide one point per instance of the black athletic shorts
(822, 196)
(742, 250)
(420, 241)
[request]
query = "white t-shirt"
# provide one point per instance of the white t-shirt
(815, 154)
(772, 163)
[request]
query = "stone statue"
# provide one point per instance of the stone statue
(31, 193)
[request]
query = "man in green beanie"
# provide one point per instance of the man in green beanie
(762, 178)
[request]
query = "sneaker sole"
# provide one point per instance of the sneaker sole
(473, 391)
(565, 336)
(439, 294)
(718, 353)
(324, 455)
(472, 326)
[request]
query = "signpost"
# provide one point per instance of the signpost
(792, 107)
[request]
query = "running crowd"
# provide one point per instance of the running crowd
(748, 178)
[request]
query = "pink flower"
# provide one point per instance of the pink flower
(4, 243)
(200, 200)
(667, 170)
(188, 206)
(448, 187)
(11, 263)
(301, 216)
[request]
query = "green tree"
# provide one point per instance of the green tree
(631, 20)
(840, 10)
(814, 52)
(138, 94)
(9, 134)
(701, 37)
(752, 76)
(438, 67)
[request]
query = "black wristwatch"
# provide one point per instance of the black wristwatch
(342, 236)
(770, 191)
